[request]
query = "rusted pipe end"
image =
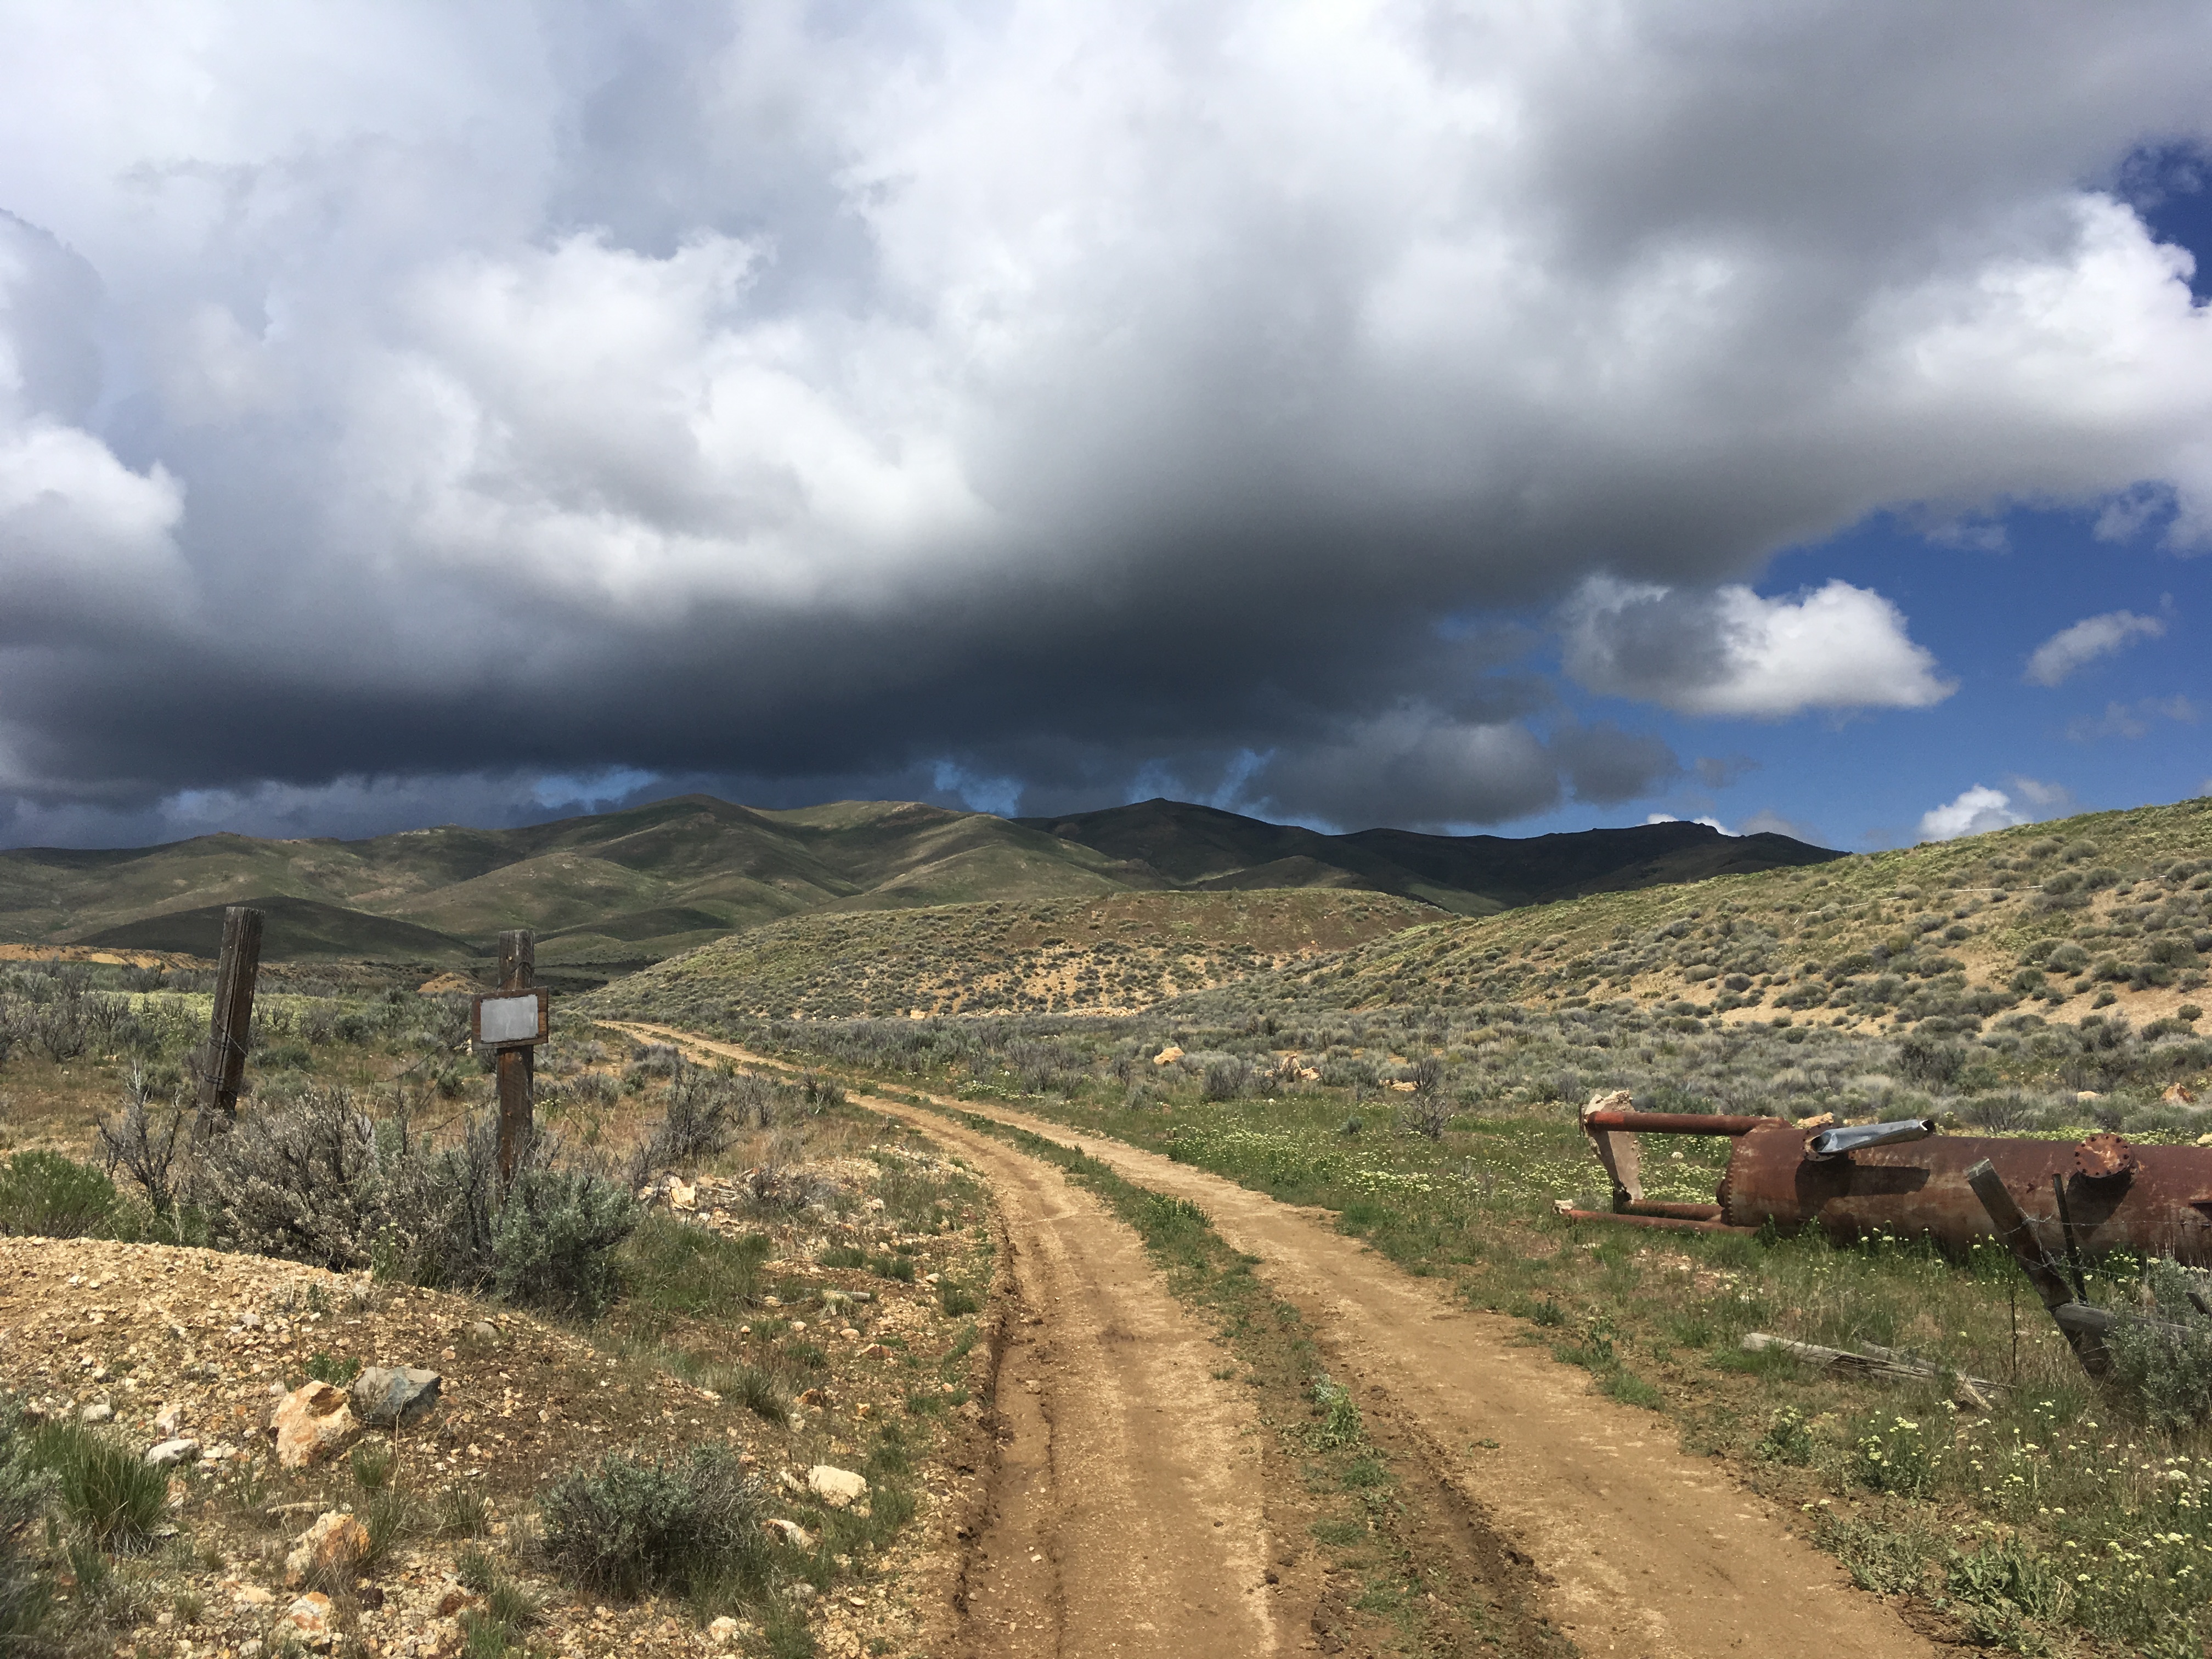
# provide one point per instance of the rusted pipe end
(2104, 1158)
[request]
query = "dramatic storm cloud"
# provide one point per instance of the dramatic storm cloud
(401, 404)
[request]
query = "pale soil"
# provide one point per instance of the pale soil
(1643, 1550)
(199, 1338)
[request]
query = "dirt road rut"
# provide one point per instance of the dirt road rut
(1648, 1551)
(1128, 1500)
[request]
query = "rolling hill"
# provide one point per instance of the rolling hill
(1204, 847)
(1114, 954)
(619, 889)
(2111, 909)
(290, 928)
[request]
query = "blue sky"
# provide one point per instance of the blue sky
(2127, 729)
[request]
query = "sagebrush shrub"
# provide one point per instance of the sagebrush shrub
(2167, 1367)
(554, 1243)
(631, 1526)
(318, 1180)
(307, 1181)
(45, 1195)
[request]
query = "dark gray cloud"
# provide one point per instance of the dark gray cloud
(402, 403)
(1719, 771)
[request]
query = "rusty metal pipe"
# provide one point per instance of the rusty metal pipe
(1674, 1123)
(2149, 1199)
(1663, 1222)
(1661, 1207)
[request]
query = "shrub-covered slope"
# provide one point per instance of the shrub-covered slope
(2107, 908)
(1108, 955)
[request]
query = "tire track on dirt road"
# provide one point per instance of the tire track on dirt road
(1648, 1552)
(1126, 1514)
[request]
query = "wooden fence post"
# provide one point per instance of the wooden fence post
(2084, 1327)
(518, 1065)
(231, 1021)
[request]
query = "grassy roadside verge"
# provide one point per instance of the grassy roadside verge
(1394, 1570)
(2055, 1522)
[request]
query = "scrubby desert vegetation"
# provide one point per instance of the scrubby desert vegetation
(1108, 955)
(702, 1286)
(1424, 1086)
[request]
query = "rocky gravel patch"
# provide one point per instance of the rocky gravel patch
(290, 1405)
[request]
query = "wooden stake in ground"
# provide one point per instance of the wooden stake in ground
(2084, 1330)
(232, 1019)
(517, 1061)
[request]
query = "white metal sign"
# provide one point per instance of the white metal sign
(512, 1017)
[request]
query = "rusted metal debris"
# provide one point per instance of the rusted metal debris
(1905, 1179)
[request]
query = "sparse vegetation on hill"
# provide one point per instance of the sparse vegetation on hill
(1203, 847)
(1110, 955)
(795, 1294)
(2053, 917)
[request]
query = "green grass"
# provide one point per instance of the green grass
(103, 1487)
(681, 1269)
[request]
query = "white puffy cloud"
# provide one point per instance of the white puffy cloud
(1731, 652)
(2049, 800)
(1976, 809)
(2085, 641)
(1669, 817)
(795, 392)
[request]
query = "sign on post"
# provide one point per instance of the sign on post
(506, 1017)
(512, 1019)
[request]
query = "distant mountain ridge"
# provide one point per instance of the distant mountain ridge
(1204, 847)
(649, 882)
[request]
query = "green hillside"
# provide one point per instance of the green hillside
(2106, 910)
(291, 928)
(651, 882)
(635, 884)
(1113, 954)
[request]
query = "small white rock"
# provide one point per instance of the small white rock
(169, 1454)
(99, 1411)
(834, 1487)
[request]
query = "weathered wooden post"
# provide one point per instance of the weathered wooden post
(231, 1020)
(513, 1019)
(2084, 1327)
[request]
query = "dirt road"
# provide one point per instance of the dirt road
(1128, 1514)
(1648, 1551)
